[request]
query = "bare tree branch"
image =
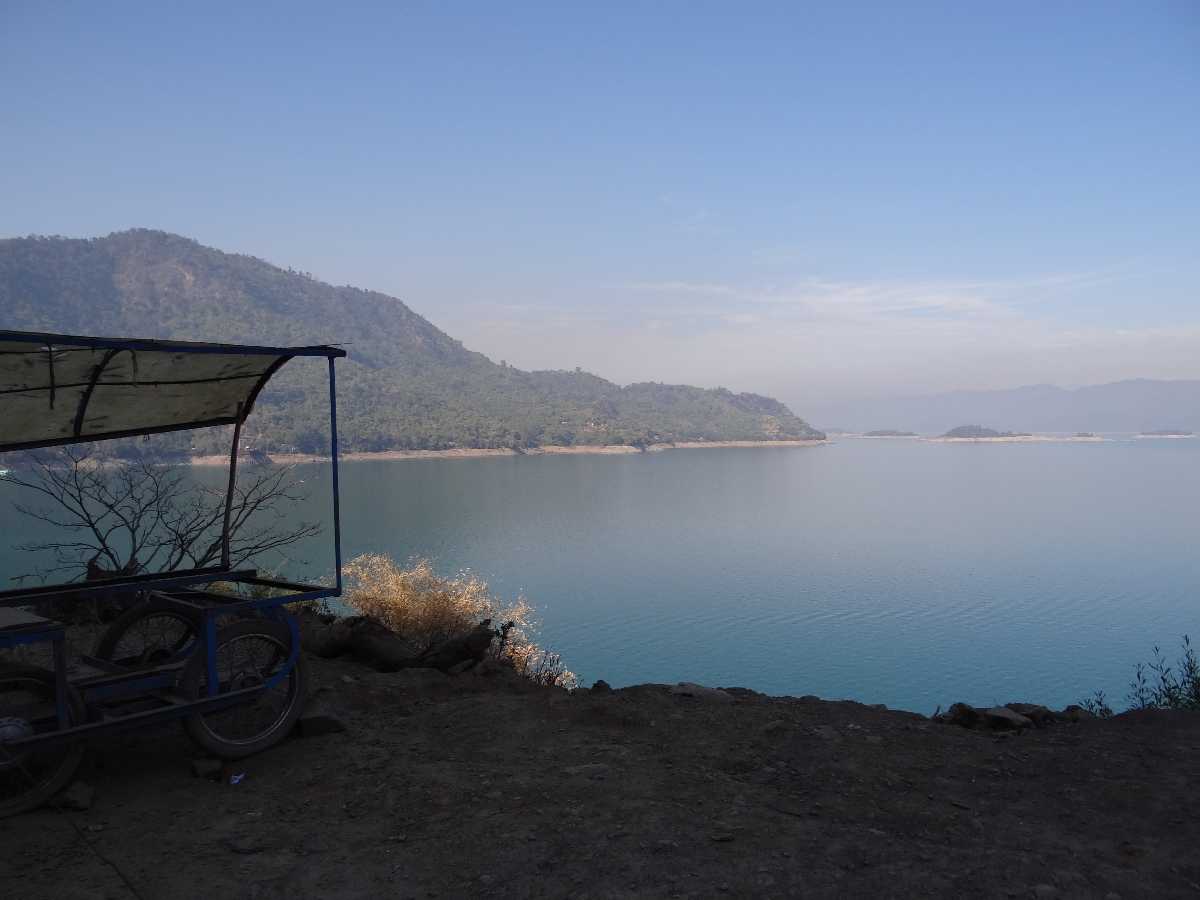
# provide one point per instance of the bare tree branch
(127, 516)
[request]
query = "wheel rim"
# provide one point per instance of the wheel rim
(27, 707)
(157, 638)
(246, 661)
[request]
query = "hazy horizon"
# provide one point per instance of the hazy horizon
(825, 206)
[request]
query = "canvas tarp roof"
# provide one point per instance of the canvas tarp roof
(59, 389)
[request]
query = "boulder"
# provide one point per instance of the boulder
(1001, 718)
(1035, 712)
(700, 692)
(961, 714)
(1076, 713)
(601, 687)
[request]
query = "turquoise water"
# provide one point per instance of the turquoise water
(899, 572)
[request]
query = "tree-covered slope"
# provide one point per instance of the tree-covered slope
(405, 384)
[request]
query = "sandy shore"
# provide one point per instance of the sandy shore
(474, 453)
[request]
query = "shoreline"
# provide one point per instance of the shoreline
(1019, 439)
(483, 452)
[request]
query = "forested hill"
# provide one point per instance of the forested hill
(405, 385)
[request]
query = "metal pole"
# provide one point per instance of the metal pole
(233, 458)
(333, 446)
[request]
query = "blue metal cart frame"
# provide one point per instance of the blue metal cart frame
(109, 685)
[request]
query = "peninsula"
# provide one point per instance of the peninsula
(406, 386)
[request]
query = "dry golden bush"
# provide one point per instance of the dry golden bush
(425, 608)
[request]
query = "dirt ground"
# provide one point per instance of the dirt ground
(469, 786)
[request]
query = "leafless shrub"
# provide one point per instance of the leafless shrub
(426, 608)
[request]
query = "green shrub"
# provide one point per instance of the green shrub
(1158, 685)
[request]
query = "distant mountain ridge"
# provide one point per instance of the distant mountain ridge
(405, 385)
(1123, 406)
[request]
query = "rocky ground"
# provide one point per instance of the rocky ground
(482, 785)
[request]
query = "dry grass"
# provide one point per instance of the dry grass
(425, 608)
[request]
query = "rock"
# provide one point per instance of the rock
(700, 692)
(601, 687)
(1076, 713)
(828, 732)
(472, 646)
(1036, 713)
(324, 639)
(460, 667)
(1045, 891)
(1001, 718)
(775, 726)
(206, 768)
(591, 770)
(78, 796)
(416, 679)
(318, 723)
(996, 718)
(962, 714)
(488, 668)
(244, 844)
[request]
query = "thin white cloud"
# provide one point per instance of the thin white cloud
(831, 338)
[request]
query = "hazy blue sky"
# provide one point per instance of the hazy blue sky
(828, 200)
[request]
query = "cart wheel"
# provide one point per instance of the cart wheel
(248, 653)
(153, 633)
(29, 777)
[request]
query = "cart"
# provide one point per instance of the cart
(228, 666)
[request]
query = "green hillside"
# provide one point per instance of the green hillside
(405, 385)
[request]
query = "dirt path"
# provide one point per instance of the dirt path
(467, 786)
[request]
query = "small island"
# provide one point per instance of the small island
(1167, 433)
(890, 433)
(978, 432)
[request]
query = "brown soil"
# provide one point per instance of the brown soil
(466, 786)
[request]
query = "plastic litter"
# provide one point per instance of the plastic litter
(237, 779)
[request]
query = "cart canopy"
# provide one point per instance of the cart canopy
(64, 389)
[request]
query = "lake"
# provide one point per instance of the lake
(887, 571)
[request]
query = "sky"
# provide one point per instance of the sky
(820, 202)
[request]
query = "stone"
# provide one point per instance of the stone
(961, 714)
(416, 679)
(828, 732)
(318, 723)
(1045, 891)
(1076, 713)
(1001, 718)
(78, 796)
(244, 844)
(775, 726)
(601, 687)
(206, 768)
(1035, 712)
(591, 770)
(460, 667)
(700, 692)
